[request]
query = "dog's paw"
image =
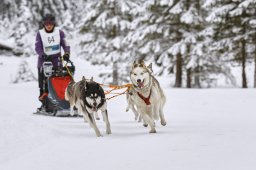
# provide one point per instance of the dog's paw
(99, 135)
(108, 132)
(152, 131)
(163, 123)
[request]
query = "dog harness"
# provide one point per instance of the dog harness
(146, 100)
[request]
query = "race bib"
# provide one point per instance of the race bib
(51, 41)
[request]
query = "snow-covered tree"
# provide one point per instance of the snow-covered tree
(153, 32)
(24, 73)
(167, 31)
(8, 10)
(231, 32)
(202, 66)
(102, 32)
(23, 18)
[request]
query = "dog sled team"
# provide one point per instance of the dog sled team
(59, 92)
(145, 97)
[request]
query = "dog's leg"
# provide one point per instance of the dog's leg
(155, 111)
(92, 123)
(140, 118)
(136, 114)
(80, 111)
(127, 108)
(72, 109)
(128, 102)
(161, 113)
(105, 118)
(149, 121)
(145, 124)
(97, 116)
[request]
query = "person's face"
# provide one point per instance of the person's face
(48, 26)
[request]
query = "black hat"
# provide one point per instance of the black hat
(49, 19)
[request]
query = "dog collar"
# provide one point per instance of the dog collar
(146, 100)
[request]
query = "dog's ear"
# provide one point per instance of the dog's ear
(141, 62)
(133, 64)
(82, 85)
(83, 78)
(91, 79)
(149, 67)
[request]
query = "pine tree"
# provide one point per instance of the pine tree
(231, 30)
(153, 33)
(8, 10)
(24, 18)
(202, 66)
(103, 30)
(24, 73)
(167, 31)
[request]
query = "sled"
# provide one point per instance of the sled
(57, 81)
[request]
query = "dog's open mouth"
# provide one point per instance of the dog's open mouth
(140, 84)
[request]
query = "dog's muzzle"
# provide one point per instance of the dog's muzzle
(140, 83)
(94, 107)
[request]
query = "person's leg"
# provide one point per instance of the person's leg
(43, 87)
(40, 82)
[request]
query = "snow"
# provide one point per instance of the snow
(7, 43)
(246, 3)
(187, 17)
(206, 129)
(176, 9)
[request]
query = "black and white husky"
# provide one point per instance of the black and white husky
(88, 97)
(146, 97)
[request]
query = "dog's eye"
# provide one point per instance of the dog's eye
(135, 74)
(141, 73)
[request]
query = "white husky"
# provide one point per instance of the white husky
(146, 97)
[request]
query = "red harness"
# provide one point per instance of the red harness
(146, 100)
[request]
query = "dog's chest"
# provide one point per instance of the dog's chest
(142, 100)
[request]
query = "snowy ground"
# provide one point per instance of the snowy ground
(210, 129)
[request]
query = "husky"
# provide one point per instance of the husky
(72, 93)
(88, 97)
(146, 98)
(131, 104)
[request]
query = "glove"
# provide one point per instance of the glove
(66, 56)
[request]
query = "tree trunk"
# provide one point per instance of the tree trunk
(243, 53)
(255, 63)
(197, 77)
(189, 78)
(255, 68)
(178, 80)
(115, 73)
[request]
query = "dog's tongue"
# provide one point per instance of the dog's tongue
(141, 85)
